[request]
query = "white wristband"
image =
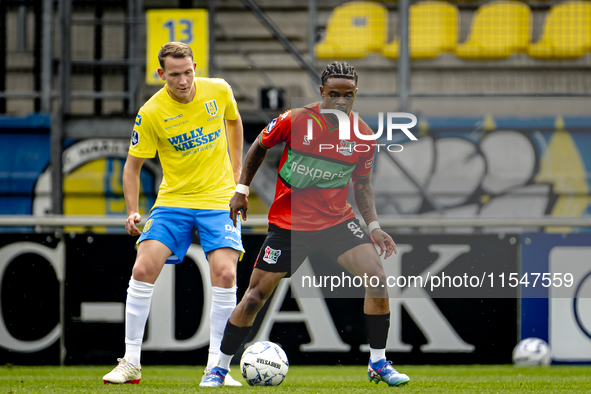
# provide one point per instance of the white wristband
(372, 226)
(242, 189)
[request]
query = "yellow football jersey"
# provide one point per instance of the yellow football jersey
(191, 143)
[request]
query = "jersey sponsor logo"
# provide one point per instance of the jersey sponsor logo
(306, 140)
(315, 173)
(232, 229)
(176, 125)
(369, 163)
(304, 171)
(271, 255)
(211, 107)
(173, 118)
(270, 126)
(284, 115)
(135, 138)
(193, 139)
(346, 147)
(148, 225)
(355, 229)
(138, 120)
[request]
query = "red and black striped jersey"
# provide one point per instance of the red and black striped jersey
(314, 173)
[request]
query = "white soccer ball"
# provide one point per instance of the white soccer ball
(532, 351)
(264, 364)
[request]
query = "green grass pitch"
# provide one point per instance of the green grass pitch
(307, 379)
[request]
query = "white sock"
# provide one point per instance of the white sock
(224, 360)
(377, 354)
(223, 302)
(137, 307)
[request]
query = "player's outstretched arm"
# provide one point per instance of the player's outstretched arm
(131, 191)
(252, 162)
(365, 201)
(235, 134)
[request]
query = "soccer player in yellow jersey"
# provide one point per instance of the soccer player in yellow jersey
(192, 123)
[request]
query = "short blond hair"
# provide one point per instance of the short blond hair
(177, 50)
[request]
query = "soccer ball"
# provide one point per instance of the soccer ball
(532, 351)
(264, 364)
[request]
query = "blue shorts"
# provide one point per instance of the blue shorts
(174, 227)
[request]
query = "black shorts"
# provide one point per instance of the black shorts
(286, 250)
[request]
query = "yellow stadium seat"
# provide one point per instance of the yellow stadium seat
(354, 30)
(567, 32)
(499, 29)
(433, 29)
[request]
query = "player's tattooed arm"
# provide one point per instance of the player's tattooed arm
(364, 198)
(252, 162)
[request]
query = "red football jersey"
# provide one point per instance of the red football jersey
(314, 174)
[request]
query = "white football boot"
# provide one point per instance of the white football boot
(124, 372)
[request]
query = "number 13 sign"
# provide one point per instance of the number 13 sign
(183, 25)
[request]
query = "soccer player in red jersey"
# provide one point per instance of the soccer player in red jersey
(310, 212)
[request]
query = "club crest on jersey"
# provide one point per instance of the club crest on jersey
(135, 138)
(270, 126)
(271, 255)
(148, 225)
(211, 107)
(346, 147)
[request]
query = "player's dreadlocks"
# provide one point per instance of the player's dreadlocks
(339, 70)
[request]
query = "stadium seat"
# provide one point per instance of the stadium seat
(499, 29)
(567, 32)
(354, 30)
(433, 29)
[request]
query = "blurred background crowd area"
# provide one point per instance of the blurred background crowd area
(501, 90)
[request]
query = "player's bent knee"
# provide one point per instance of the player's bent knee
(377, 286)
(143, 272)
(227, 276)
